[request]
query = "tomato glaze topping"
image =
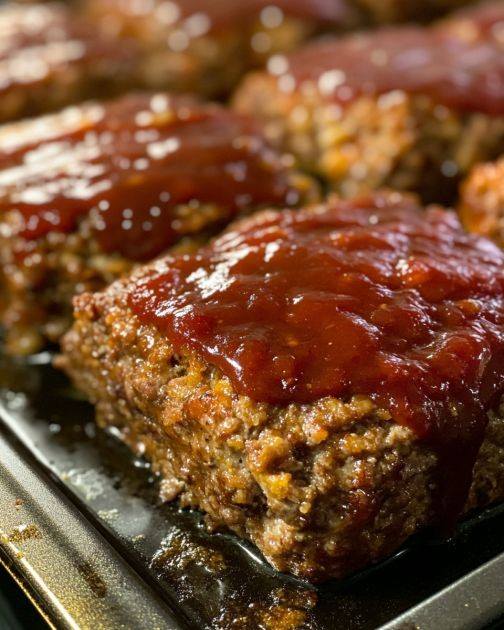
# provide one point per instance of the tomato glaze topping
(130, 163)
(370, 297)
(459, 64)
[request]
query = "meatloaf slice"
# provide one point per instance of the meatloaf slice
(205, 47)
(482, 201)
(49, 58)
(87, 192)
(408, 107)
(321, 382)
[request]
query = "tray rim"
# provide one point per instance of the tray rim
(467, 612)
(64, 599)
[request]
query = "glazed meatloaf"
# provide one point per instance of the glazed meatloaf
(87, 192)
(482, 201)
(196, 45)
(50, 58)
(54, 54)
(408, 107)
(324, 382)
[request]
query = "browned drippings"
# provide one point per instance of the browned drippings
(179, 551)
(92, 579)
(23, 533)
(284, 609)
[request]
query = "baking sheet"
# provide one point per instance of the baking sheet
(61, 465)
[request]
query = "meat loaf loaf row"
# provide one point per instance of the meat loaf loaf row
(54, 54)
(324, 382)
(50, 58)
(482, 201)
(86, 192)
(196, 45)
(408, 107)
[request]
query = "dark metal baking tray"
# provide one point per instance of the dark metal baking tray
(83, 532)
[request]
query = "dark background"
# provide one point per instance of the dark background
(16, 611)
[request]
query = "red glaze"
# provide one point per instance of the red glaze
(129, 163)
(462, 68)
(370, 297)
(41, 40)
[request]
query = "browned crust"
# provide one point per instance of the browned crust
(38, 288)
(322, 489)
(482, 201)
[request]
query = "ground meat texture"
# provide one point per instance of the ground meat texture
(482, 201)
(87, 192)
(322, 487)
(50, 58)
(388, 107)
